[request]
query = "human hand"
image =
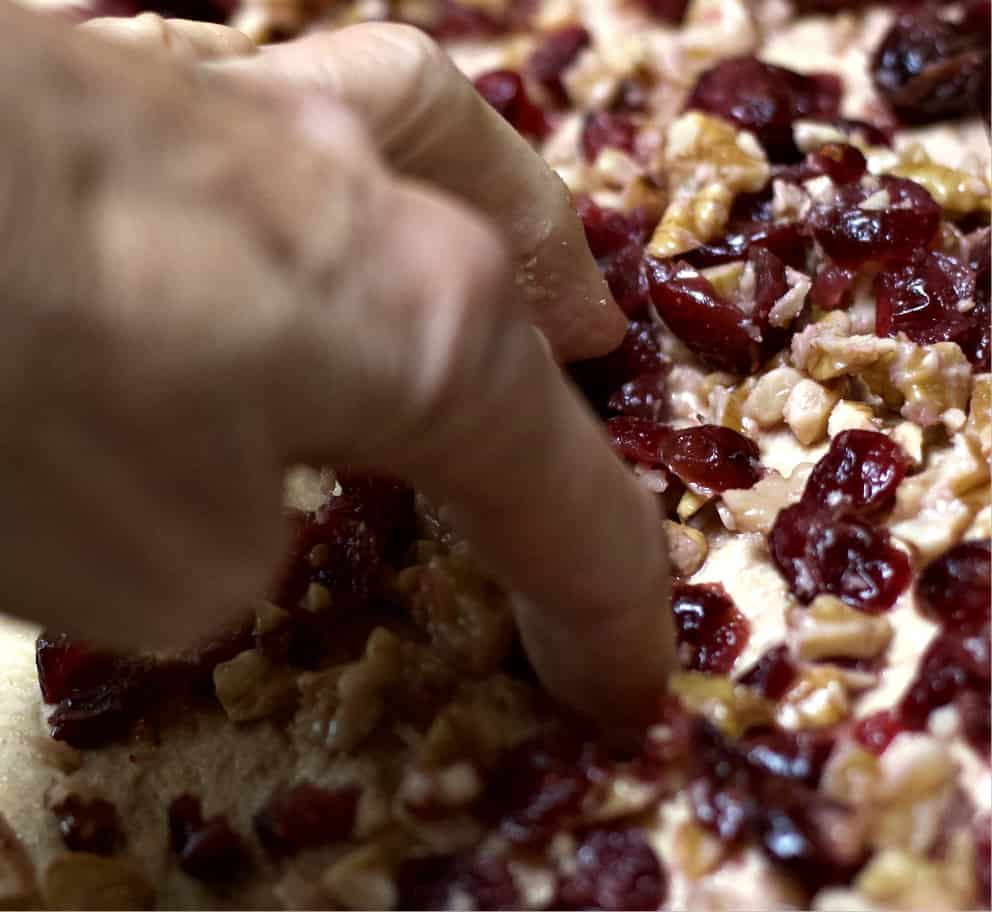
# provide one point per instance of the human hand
(211, 322)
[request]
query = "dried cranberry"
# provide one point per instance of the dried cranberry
(638, 439)
(876, 731)
(616, 129)
(898, 232)
(922, 300)
(956, 588)
(800, 756)
(555, 54)
(715, 329)
(929, 69)
(88, 825)
(983, 860)
(843, 164)
(614, 869)
(766, 100)
(67, 666)
(430, 883)
(642, 397)
(100, 714)
(976, 342)
(773, 674)
(858, 475)
(872, 134)
(385, 504)
(670, 11)
(832, 288)
(208, 849)
(455, 19)
(711, 631)
(712, 458)
(305, 816)
(504, 90)
(818, 553)
(785, 240)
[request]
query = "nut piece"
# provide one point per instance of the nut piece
(850, 416)
(766, 403)
(754, 509)
(957, 192)
(979, 426)
(731, 708)
(250, 687)
(807, 410)
(306, 488)
(851, 775)
(697, 851)
(58, 755)
(910, 437)
(829, 628)
(17, 886)
(362, 879)
(687, 548)
(79, 880)
(818, 698)
(708, 162)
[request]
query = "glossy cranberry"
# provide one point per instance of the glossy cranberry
(896, 233)
(617, 240)
(929, 69)
(955, 589)
(872, 134)
(712, 458)
(642, 397)
(456, 19)
(818, 553)
(538, 788)
(208, 849)
(638, 439)
(385, 504)
(99, 715)
(785, 240)
(600, 129)
(766, 100)
(715, 329)
(304, 816)
(974, 708)
(858, 475)
(976, 342)
(504, 90)
(88, 825)
(433, 883)
(833, 287)
(922, 300)
(555, 53)
(710, 630)
(843, 164)
(67, 666)
(799, 756)
(773, 674)
(670, 11)
(614, 869)
(983, 860)
(770, 284)
(876, 731)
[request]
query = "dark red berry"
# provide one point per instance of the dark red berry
(711, 631)
(711, 458)
(304, 816)
(504, 90)
(872, 134)
(983, 860)
(555, 53)
(88, 825)
(819, 553)
(766, 100)
(833, 287)
(614, 869)
(455, 19)
(616, 129)
(208, 849)
(876, 731)
(773, 674)
(843, 164)
(955, 589)
(715, 329)
(638, 439)
(642, 397)
(896, 233)
(435, 882)
(670, 11)
(929, 69)
(67, 666)
(857, 476)
(785, 240)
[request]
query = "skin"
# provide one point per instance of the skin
(218, 262)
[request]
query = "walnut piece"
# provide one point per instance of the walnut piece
(766, 401)
(754, 509)
(687, 548)
(831, 628)
(807, 410)
(80, 880)
(251, 687)
(851, 416)
(730, 707)
(362, 879)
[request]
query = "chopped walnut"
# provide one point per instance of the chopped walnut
(362, 879)
(714, 29)
(754, 509)
(851, 775)
(820, 697)
(17, 886)
(687, 548)
(690, 503)
(708, 162)
(268, 617)
(829, 628)
(697, 850)
(731, 708)
(807, 410)
(58, 755)
(80, 880)
(957, 192)
(250, 686)
(620, 796)
(849, 416)
(907, 880)
(307, 488)
(788, 307)
(766, 401)
(979, 425)
(910, 437)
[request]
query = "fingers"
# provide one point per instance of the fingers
(430, 124)
(182, 38)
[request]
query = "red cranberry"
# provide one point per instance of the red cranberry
(875, 732)
(607, 128)
(555, 54)
(504, 90)
(209, 849)
(766, 100)
(858, 475)
(431, 883)
(921, 300)
(714, 328)
(785, 240)
(956, 588)
(895, 234)
(819, 553)
(773, 674)
(305, 816)
(98, 715)
(67, 666)
(638, 439)
(88, 825)
(455, 19)
(976, 343)
(929, 69)
(872, 134)
(614, 869)
(642, 397)
(843, 164)
(983, 860)
(385, 504)
(670, 11)
(710, 629)
(712, 458)
(833, 287)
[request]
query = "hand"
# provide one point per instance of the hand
(236, 281)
